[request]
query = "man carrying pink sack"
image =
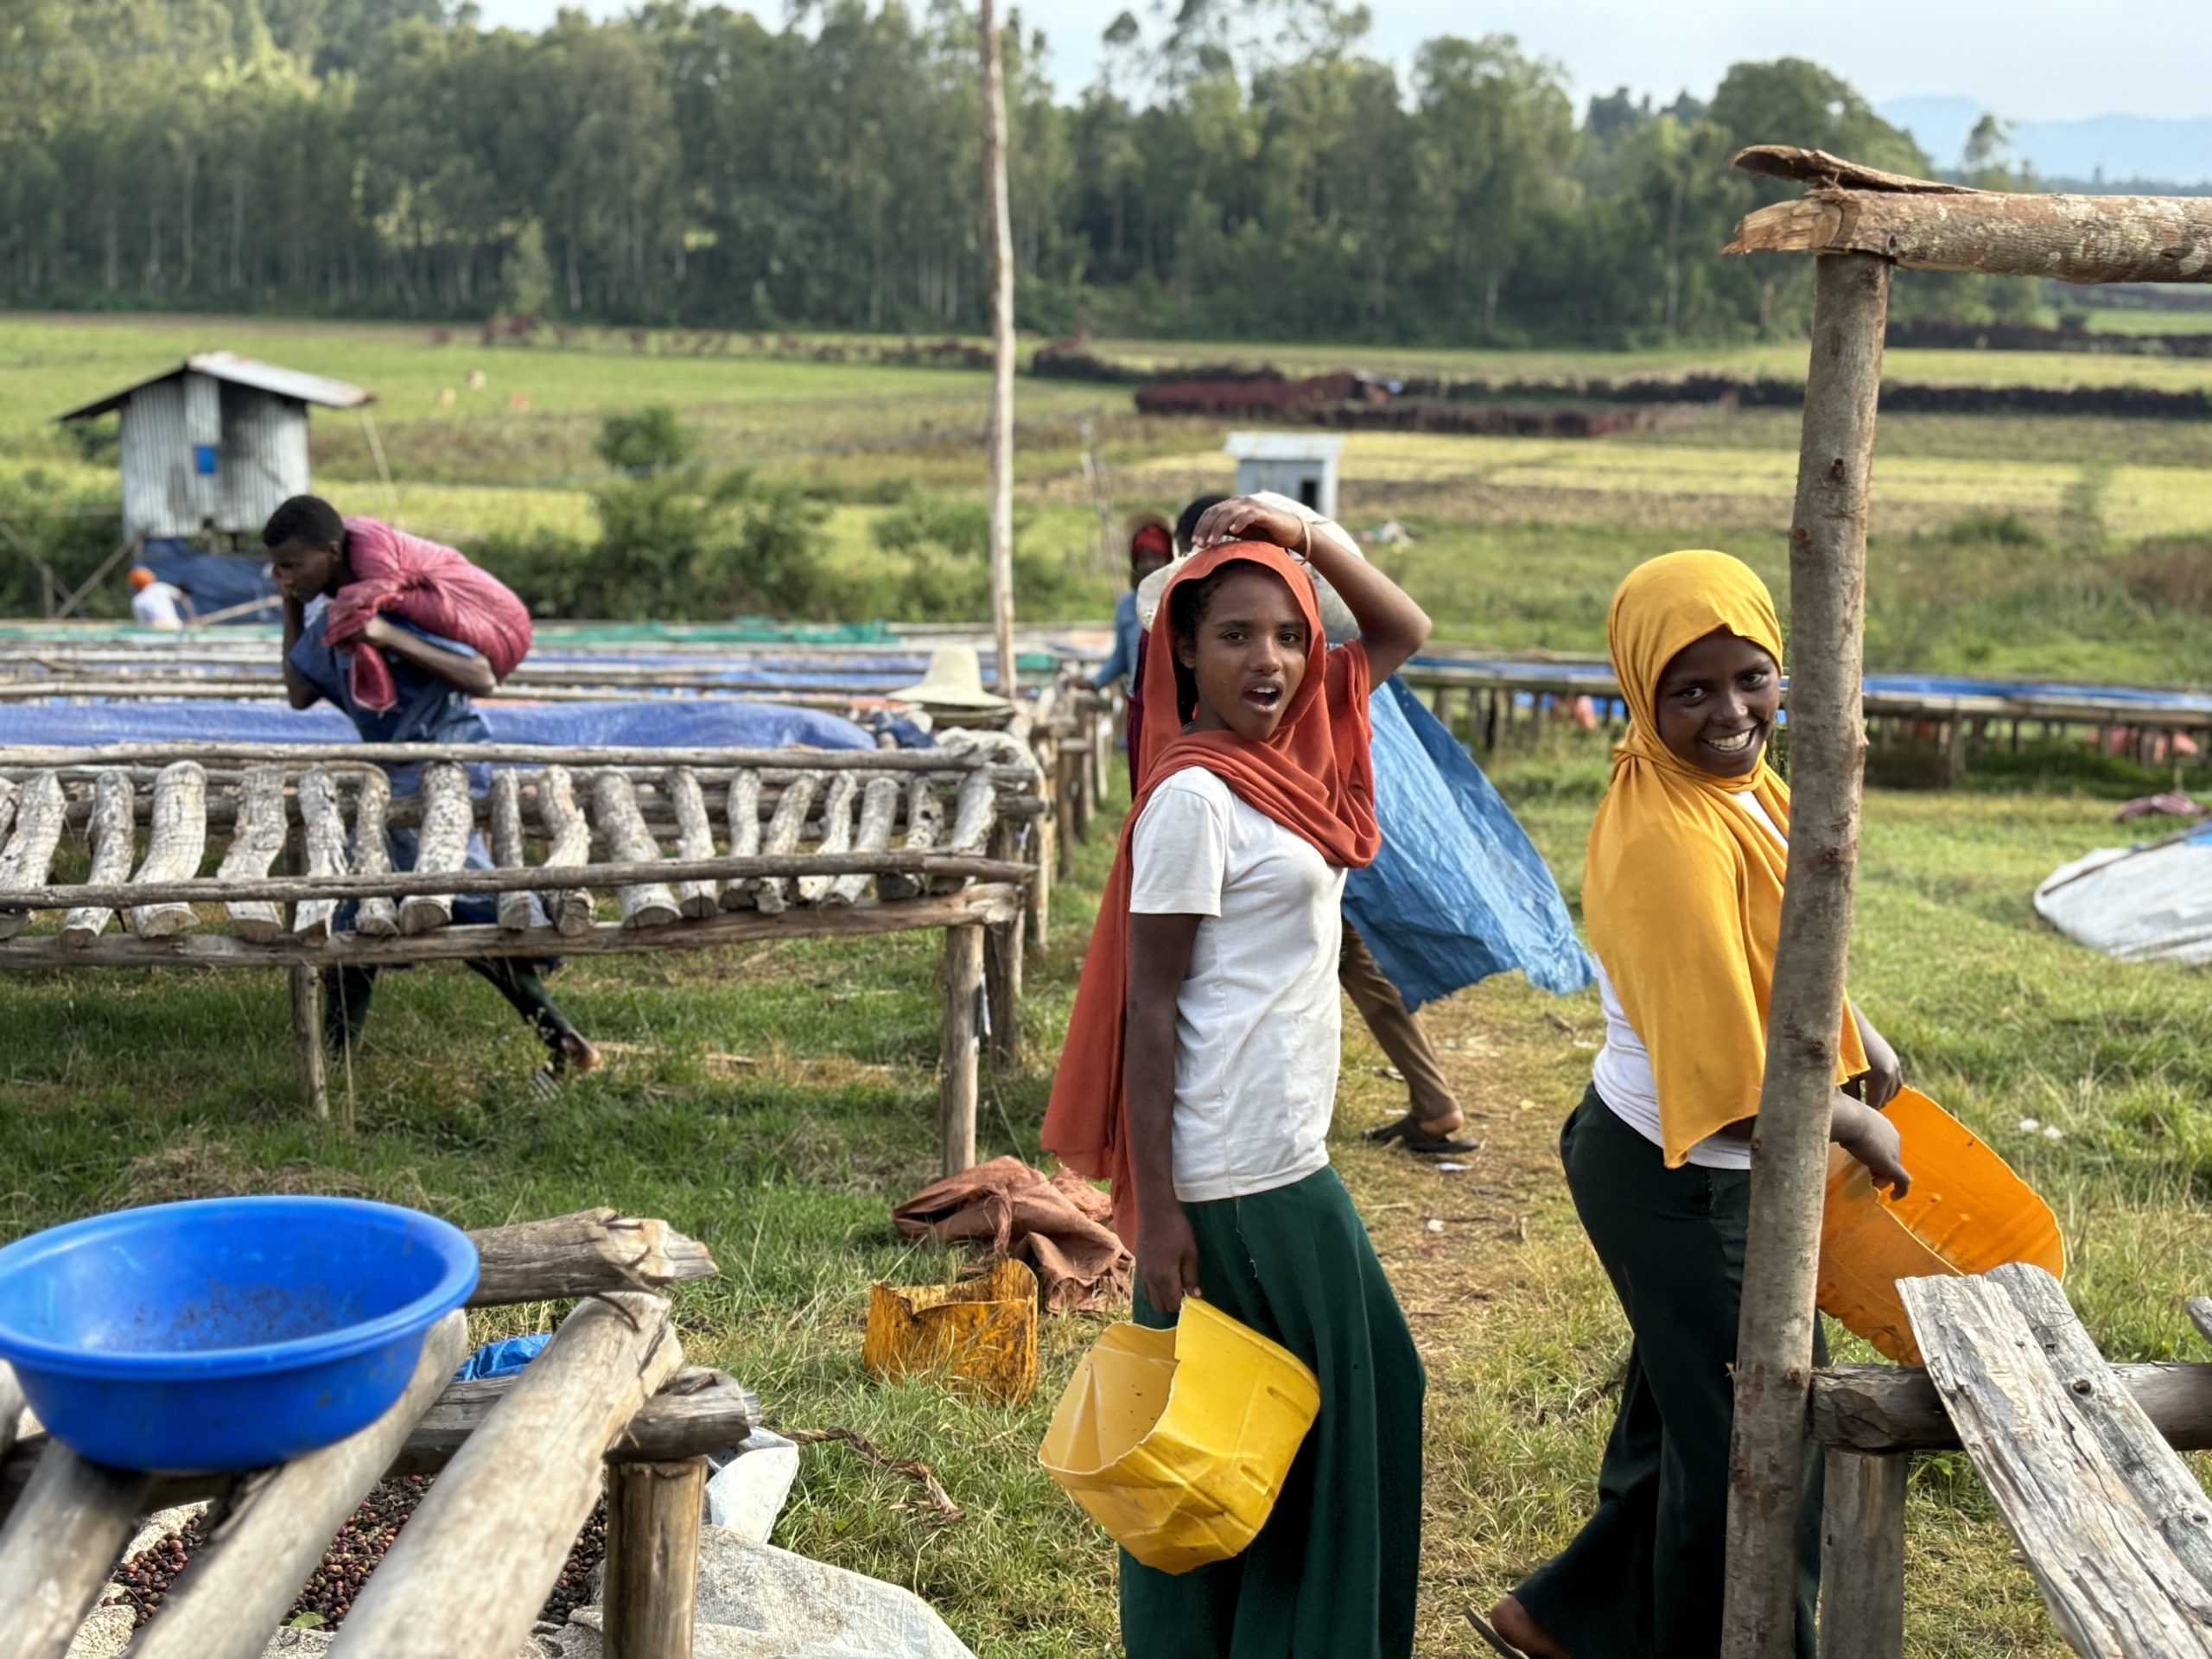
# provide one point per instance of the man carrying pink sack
(400, 635)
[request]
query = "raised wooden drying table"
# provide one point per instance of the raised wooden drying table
(520, 1462)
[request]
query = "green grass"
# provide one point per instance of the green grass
(777, 1101)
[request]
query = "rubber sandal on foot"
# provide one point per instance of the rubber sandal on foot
(1482, 1629)
(1407, 1133)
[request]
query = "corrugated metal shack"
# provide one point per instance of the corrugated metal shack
(1295, 464)
(211, 448)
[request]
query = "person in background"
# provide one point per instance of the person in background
(1681, 893)
(435, 680)
(1431, 1123)
(156, 603)
(1200, 1072)
(1152, 544)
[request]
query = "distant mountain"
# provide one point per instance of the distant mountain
(2115, 148)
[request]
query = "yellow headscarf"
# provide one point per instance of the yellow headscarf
(1681, 890)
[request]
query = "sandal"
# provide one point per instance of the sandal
(1482, 1629)
(1407, 1133)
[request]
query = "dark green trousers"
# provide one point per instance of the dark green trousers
(1642, 1579)
(1332, 1574)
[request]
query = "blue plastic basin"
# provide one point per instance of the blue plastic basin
(225, 1333)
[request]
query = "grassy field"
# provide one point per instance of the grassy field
(776, 1102)
(2039, 545)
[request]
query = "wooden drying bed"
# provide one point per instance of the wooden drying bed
(766, 843)
(608, 1405)
(2080, 1458)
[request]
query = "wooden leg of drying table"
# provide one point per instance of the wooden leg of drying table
(1862, 1556)
(307, 1041)
(653, 1557)
(962, 985)
(1039, 896)
(1002, 950)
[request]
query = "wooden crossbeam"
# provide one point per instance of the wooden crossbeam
(1931, 227)
(984, 904)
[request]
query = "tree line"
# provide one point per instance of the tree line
(687, 164)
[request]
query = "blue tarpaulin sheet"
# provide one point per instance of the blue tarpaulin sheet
(216, 582)
(502, 1358)
(1458, 892)
(693, 723)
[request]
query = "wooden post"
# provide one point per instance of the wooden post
(512, 908)
(1045, 845)
(962, 983)
(175, 847)
(622, 827)
(376, 916)
(441, 845)
(1002, 953)
(695, 838)
(1827, 565)
(113, 835)
(40, 812)
(1862, 1556)
(257, 842)
(653, 1557)
(307, 1026)
(568, 841)
(998, 449)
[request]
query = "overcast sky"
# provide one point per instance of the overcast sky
(2026, 59)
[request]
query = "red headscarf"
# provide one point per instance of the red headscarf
(1151, 538)
(1314, 777)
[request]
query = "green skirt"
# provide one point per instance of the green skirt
(1332, 1574)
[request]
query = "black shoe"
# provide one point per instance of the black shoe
(1407, 1133)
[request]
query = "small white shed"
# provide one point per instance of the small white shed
(215, 444)
(1301, 465)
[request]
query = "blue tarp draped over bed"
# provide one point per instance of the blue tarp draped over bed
(1458, 892)
(692, 723)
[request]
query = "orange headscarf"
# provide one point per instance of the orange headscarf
(1681, 890)
(1314, 777)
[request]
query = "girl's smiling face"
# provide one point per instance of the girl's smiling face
(1245, 652)
(1716, 703)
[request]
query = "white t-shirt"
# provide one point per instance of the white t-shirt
(1257, 1023)
(158, 605)
(1621, 1070)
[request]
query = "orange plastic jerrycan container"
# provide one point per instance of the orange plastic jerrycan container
(1178, 1442)
(1966, 1212)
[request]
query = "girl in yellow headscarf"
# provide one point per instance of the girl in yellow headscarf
(1683, 898)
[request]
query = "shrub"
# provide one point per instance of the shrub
(942, 549)
(649, 440)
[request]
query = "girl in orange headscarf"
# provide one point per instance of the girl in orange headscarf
(1682, 894)
(1201, 1068)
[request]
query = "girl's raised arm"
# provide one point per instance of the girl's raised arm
(1392, 626)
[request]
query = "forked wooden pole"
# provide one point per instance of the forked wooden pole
(1827, 594)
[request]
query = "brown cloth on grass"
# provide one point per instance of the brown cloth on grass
(1056, 1223)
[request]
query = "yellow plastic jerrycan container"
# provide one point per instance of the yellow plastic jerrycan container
(1966, 1212)
(980, 1335)
(1178, 1442)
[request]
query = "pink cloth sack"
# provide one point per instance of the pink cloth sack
(431, 586)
